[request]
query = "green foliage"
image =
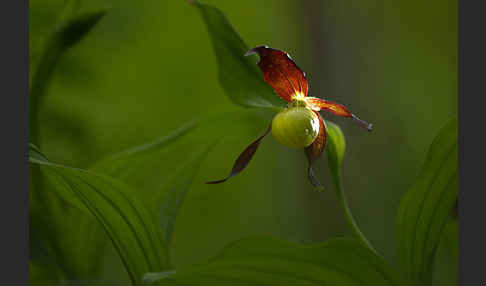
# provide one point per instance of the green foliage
(76, 211)
(272, 261)
(173, 196)
(72, 28)
(134, 165)
(125, 220)
(425, 208)
(238, 75)
(51, 233)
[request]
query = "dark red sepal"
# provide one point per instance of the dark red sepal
(318, 104)
(281, 72)
(244, 158)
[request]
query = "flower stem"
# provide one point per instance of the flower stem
(347, 214)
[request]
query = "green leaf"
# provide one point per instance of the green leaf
(451, 238)
(127, 164)
(336, 145)
(126, 221)
(85, 282)
(145, 166)
(72, 29)
(155, 276)
(425, 208)
(445, 268)
(272, 261)
(172, 198)
(238, 75)
(137, 166)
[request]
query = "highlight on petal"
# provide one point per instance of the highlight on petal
(244, 158)
(314, 151)
(318, 104)
(281, 72)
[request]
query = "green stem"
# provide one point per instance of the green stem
(349, 217)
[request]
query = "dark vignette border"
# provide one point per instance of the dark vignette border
(14, 118)
(14, 135)
(471, 203)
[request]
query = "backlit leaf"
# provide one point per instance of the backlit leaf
(272, 261)
(172, 198)
(238, 75)
(126, 221)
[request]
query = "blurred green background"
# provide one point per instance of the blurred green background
(149, 67)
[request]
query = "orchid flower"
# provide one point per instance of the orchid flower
(299, 125)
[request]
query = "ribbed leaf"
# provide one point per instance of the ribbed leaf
(271, 261)
(426, 206)
(451, 238)
(238, 75)
(127, 223)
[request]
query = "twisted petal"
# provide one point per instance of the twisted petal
(244, 158)
(281, 72)
(315, 150)
(318, 104)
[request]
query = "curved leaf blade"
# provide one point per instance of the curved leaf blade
(272, 261)
(72, 29)
(239, 76)
(425, 208)
(126, 221)
(171, 200)
(125, 165)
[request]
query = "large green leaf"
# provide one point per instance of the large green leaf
(134, 164)
(336, 145)
(451, 238)
(426, 206)
(45, 210)
(146, 166)
(133, 231)
(445, 270)
(238, 75)
(172, 198)
(272, 261)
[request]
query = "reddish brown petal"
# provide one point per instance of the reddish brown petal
(318, 104)
(244, 158)
(281, 72)
(314, 151)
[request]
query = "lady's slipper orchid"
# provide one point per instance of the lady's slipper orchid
(299, 125)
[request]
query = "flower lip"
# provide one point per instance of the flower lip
(296, 126)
